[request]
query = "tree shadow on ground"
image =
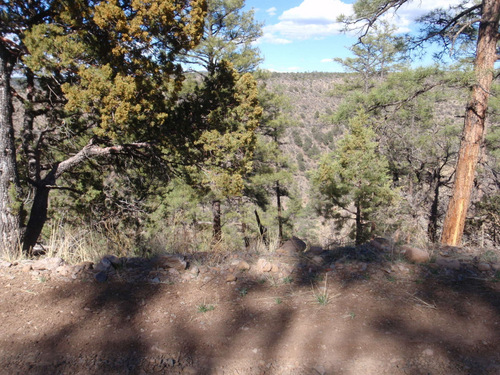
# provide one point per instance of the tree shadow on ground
(420, 322)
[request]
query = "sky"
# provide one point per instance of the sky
(304, 36)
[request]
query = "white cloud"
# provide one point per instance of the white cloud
(327, 60)
(316, 19)
(406, 16)
(311, 19)
(271, 11)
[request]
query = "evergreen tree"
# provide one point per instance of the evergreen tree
(353, 182)
(102, 76)
(454, 27)
(272, 172)
(229, 34)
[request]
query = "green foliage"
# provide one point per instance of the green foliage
(354, 182)
(378, 53)
(229, 34)
(125, 92)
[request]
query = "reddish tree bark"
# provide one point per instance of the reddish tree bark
(474, 127)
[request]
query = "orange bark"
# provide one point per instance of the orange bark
(474, 127)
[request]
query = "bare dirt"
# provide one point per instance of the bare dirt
(370, 317)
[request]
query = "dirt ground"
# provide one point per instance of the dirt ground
(382, 318)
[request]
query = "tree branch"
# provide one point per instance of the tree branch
(94, 151)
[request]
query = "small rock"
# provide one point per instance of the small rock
(114, 260)
(414, 254)
(26, 268)
(171, 261)
(230, 278)
(174, 272)
(64, 270)
(194, 270)
(155, 280)
(5, 264)
(242, 266)
(103, 265)
(452, 264)
(320, 370)
(83, 266)
(189, 371)
(428, 352)
(495, 267)
(483, 267)
(263, 265)
(317, 260)
(101, 277)
(274, 268)
(292, 246)
(47, 264)
(316, 250)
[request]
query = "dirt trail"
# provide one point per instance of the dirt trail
(412, 320)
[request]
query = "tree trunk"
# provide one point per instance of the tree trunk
(38, 217)
(474, 127)
(9, 183)
(262, 229)
(433, 216)
(217, 230)
(359, 225)
(280, 211)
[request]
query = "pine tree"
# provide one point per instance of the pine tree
(455, 28)
(353, 182)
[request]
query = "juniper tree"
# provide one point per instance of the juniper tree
(102, 76)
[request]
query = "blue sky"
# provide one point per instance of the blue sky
(303, 35)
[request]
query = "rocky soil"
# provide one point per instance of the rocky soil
(363, 310)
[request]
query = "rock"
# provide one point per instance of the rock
(483, 267)
(5, 264)
(49, 264)
(171, 261)
(274, 268)
(428, 352)
(64, 270)
(317, 260)
(414, 254)
(292, 246)
(382, 244)
(189, 371)
(452, 264)
(114, 260)
(104, 265)
(101, 277)
(242, 266)
(194, 270)
(26, 268)
(495, 267)
(174, 272)
(230, 278)
(263, 265)
(315, 250)
(83, 266)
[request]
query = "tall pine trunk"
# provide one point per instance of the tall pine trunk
(9, 184)
(474, 127)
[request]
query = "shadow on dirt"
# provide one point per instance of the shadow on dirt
(418, 321)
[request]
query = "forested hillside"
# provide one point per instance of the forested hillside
(169, 138)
